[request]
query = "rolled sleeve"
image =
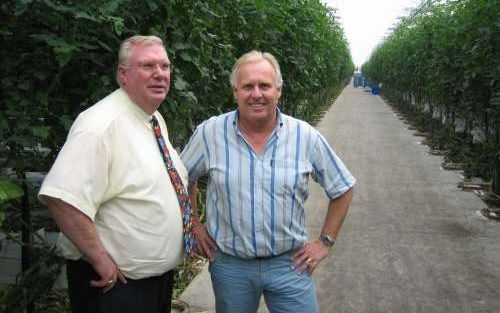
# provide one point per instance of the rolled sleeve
(329, 170)
(79, 175)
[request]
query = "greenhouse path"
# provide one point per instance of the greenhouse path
(412, 241)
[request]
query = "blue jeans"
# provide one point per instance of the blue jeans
(239, 283)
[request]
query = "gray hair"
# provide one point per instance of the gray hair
(256, 56)
(129, 43)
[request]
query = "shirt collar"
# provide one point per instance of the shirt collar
(277, 128)
(135, 109)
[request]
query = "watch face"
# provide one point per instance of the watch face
(327, 241)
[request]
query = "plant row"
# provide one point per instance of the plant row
(441, 64)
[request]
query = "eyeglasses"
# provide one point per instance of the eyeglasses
(151, 66)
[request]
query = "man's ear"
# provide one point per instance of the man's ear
(280, 89)
(121, 73)
(234, 92)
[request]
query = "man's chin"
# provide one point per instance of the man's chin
(159, 96)
(260, 116)
(258, 110)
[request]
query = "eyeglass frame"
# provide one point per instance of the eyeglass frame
(150, 67)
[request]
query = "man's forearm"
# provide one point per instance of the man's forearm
(78, 227)
(337, 211)
(193, 198)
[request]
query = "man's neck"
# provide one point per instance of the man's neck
(257, 134)
(257, 128)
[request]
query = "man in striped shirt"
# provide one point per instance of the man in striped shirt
(258, 162)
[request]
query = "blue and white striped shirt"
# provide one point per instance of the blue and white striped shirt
(255, 202)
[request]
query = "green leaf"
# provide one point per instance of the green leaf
(21, 7)
(9, 191)
(190, 97)
(87, 46)
(7, 82)
(180, 84)
(85, 15)
(104, 45)
(182, 45)
(40, 131)
(50, 40)
(66, 121)
(41, 75)
(185, 56)
(152, 5)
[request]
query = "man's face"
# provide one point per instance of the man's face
(146, 77)
(256, 92)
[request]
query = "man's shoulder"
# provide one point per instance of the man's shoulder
(293, 121)
(219, 120)
(107, 105)
(99, 116)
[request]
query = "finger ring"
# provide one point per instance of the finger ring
(110, 281)
(309, 260)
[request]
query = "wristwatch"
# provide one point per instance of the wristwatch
(327, 240)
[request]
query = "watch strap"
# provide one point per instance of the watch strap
(327, 240)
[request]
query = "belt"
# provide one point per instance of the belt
(270, 256)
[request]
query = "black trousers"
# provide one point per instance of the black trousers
(148, 295)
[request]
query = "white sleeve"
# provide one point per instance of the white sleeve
(79, 175)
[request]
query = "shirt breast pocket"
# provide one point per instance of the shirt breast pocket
(290, 176)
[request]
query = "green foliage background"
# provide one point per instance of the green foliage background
(58, 57)
(442, 65)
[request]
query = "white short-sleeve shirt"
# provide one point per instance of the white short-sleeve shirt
(111, 169)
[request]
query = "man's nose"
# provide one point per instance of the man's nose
(256, 92)
(158, 72)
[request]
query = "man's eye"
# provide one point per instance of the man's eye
(147, 66)
(165, 66)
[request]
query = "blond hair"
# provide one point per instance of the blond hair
(256, 56)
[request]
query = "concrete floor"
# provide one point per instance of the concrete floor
(412, 241)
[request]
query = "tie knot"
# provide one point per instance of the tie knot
(154, 121)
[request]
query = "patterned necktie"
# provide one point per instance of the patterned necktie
(182, 196)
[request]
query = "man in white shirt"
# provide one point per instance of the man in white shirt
(111, 196)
